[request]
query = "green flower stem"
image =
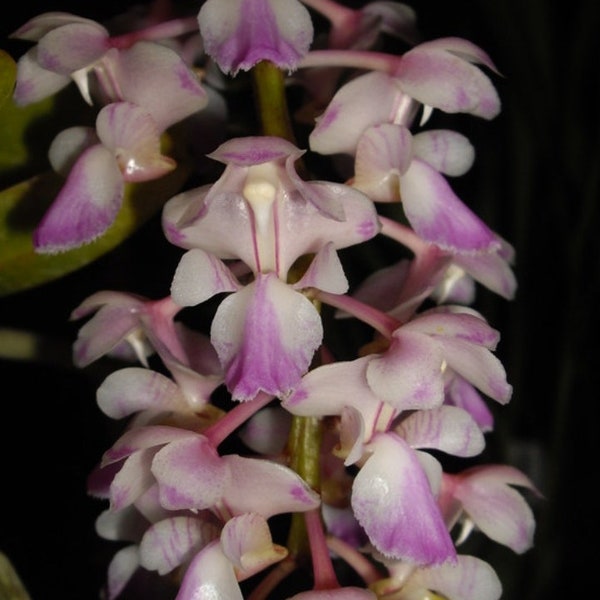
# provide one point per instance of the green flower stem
(304, 446)
(271, 101)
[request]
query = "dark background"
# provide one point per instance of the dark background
(535, 181)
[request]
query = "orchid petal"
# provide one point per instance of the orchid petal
(465, 49)
(462, 394)
(240, 33)
(444, 80)
(133, 389)
(365, 101)
(171, 542)
(478, 366)
(210, 576)
(383, 155)
(249, 477)
(447, 428)
(121, 569)
(132, 134)
(267, 431)
(35, 83)
(392, 500)
(85, 207)
(446, 151)
(470, 579)
(41, 24)
(265, 336)
(325, 272)
(72, 47)
(408, 375)
(247, 543)
(498, 510)
(132, 480)
(68, 145)
(121, 525)
(438, 215)
(199, 276)
(147, 69)
(190, 473)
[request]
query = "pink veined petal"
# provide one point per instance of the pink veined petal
(408, 375)
(72, 47)
(199, 276)
(438, 215)
(365, 101)
(85, 207)
(383, 155)
(448, 152)
(265, 336)
(35, 83)
(190, 473)
(250, 477)
(133, 389)
(447, 428)
(147, 69)
(132, 134)
(478, 366)
(443, 80)
(470, 579)
(247, 543)
(240, 33)
(325, 272)
(498, 510)
(121, 569)
(171, 542)
(392, 500)
(132, 480)
(210, 576)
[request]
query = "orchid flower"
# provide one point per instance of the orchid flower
(238, 34)
(277, 218)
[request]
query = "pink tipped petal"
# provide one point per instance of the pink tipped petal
(446, 151)
(447, 428)
(199, 276)
(498, 510)
(478, 366)
(121, 569)
(365, 101)
(35, 83)
(72, 47)
(265, 336)
(250, 477)
(210, 576)
(438, 215)
(240, 33)
(443, 80)
(171, 542)
(40, 25)
(462, 394)
(383, 155)
(408, 376)
(146, 70)
(86, 206)
(132, 134)
(133, 389)
(392, 500)
(190, 473)
(463, 48)
(247, 543)
(325, 272)
(470, 579)
(492, 271)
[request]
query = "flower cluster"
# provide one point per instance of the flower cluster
(255, 416)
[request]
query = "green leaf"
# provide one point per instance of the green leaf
(22, 206)
(8, 76)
